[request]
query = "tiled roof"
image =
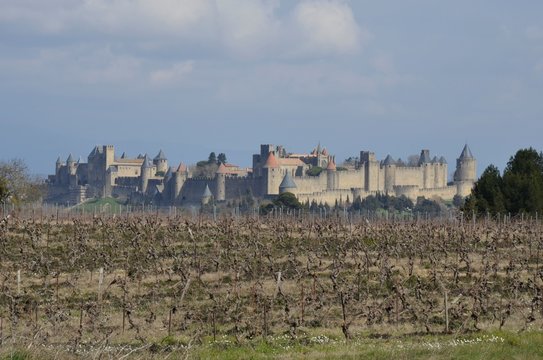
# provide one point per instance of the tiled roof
(389, 161)
(146, 162)
(288, 182)
(207, 192)
(290, 162)
(424, 158)
(160, 156)
(271, 162)
(466, 153)
(182, 167)
(331, 164)
(222, 169)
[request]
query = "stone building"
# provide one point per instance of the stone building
(274, 171)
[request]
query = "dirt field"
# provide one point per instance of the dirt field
(154, 286)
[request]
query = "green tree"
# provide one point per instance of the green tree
(221, 158)
(523, 182)
(487, 194)
(287, 200)
(212, 159)
(426, 206)
(314, 171)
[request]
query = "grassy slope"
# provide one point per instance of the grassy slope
(99, 205)
(490, 345)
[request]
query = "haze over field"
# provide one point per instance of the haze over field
(195, 76)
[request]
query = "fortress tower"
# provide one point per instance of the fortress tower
(206, 196)
(287, 185)
(146, 173)
(272, 175)
(220, 181)
(371, 170)
(70, 162)
(109, 153)
(466, 173)
(58, 166)
(331, 182)
(390, 174)
(179, 178)
(161, 162)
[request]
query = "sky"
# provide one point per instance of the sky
(195, 76)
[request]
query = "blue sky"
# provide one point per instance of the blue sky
(195, 76)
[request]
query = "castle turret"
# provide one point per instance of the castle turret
(287, 185)
(58, 165)
(72, 166)
(220, 182)
(444, 171)
(272, 175)
(390, 174)
(428, 173)
(146, 173)
(466, 172)
(371, 170)
(180, 176)
(161, 162)
(206, 196)
(109, 153)
(331, 174)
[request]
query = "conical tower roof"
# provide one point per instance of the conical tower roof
(288, 182)
(389, 161)
(70, 159)
(168, 174)
(59, 161)
(331, 164)
(123, 156)
(442, 160)
(424, 157)
(160, 156)
(181, 168)
(271, 162)
(94, 151)
(222, 169)
(207, 192)
(466, 153)
(146, 162)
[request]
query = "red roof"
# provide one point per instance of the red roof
(290, 162)
(331, 164)
(182, 167)
(222, 169)
(271, 162)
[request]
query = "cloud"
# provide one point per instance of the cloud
(171, 75)
(326, 26)
(244, 28)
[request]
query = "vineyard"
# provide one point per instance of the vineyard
(156, 286)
